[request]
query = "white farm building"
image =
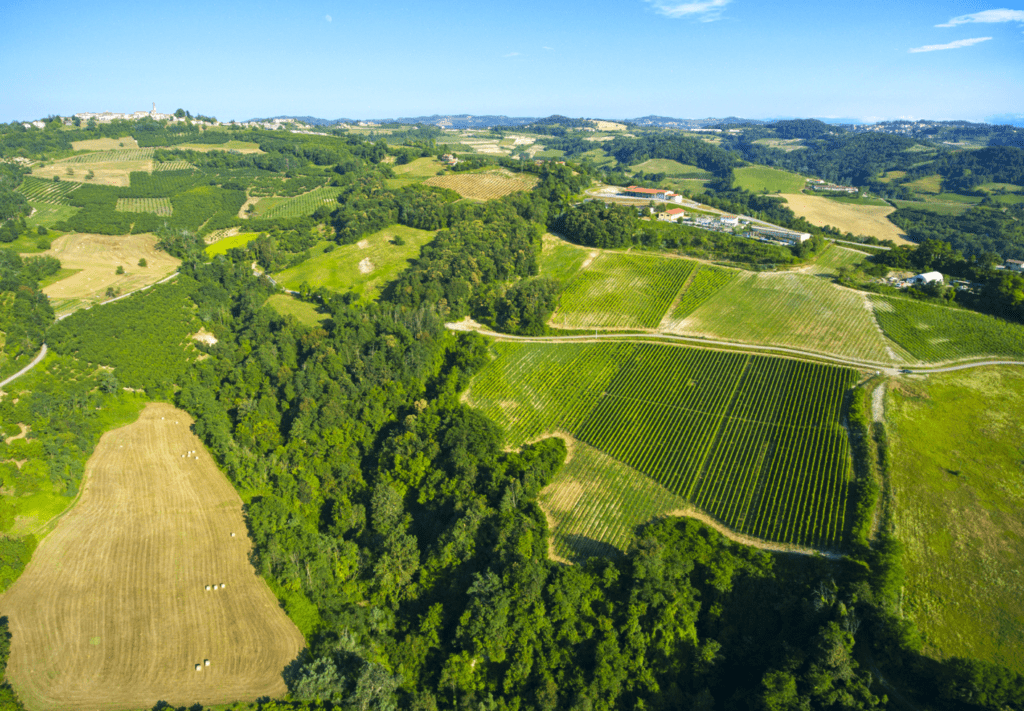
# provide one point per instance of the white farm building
(926, 278)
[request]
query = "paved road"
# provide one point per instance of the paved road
(30, 366)
(886, 368)
(43, 351)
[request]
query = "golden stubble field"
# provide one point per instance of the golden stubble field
(484, 186)
(96, 257)
(112, 612)
(869, 220)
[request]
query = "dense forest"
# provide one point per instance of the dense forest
(25, 312)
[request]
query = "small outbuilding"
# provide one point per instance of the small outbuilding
(926, 278)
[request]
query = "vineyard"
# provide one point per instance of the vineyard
(595, 502)
(706, 282)
(754, 441)
(484, 186)
(937, 333)
(621, 291)
(158, 206)
(118, 156)
(47, 191)
(560, 260)
(791, 310)
(172, 165)
(305, 204)
(835, 258)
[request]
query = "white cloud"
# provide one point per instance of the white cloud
(328, 18)
(550, 49)
(987, 16)
(511, 54)
(952, 45)
(703, 10)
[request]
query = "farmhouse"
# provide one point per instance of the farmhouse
(672, 215)
(834, 188)
(652, 193)
(926, 278)
(780, 234)
(1015, 265)
(729, 221)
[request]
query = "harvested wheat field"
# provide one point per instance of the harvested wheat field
(105, 144)
(113, 610)
(868, 220)
(96, 258)
(484, 186)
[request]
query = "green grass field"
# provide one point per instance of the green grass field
(706, 282)
(47, 215)
(939, 208)
(758, 178)
(955, 467)
(754, 441)
(672, 169)
(304, 312)
(222, 246)
(794, 310)
(621, 291)
(834, 258)
(933, 333)
(846, 200)
(561, 260)
(594, 504)
(30, 243)
(928, 185)
(364, 268)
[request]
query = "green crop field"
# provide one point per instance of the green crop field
(955, 467)
(754, 441)
(48, 215)
(560, 259)
(222, 246)
(934, 333)
(672, 169)
(158, 206)
(791, 310)
(119, 156)
(939, 208)
(47, 191)
(172, 165)
(304, 312)
(305, 204)
(706, 282)
(594, 504)
(365, 267)
(757, 178)
(621, 291)
(928, 185)
(835, 258)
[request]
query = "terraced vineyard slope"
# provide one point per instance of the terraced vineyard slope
(754, 441)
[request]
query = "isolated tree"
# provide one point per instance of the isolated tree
(120, 269)
(142, 262)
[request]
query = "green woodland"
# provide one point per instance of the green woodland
(393, 497)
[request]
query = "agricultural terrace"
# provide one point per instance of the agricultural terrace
(594, 504)
(113, 610)
(754, 441)
(107, 168)
(484, 186)
(169, 165)
(120, 155)
(364, 268)
(97, 257)
(791, 310)
(954, 465)
(867, 220)
(158, 206)
(221, 246)
(617, 291)
(300, 205)
(761, 178)
(932, 333)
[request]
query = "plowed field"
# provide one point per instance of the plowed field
(113, 611)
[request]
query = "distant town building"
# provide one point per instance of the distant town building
(780, 234)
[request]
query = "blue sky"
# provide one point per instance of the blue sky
(604, 59)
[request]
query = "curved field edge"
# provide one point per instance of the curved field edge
(595, 504)
(113, 610)
(756, 441)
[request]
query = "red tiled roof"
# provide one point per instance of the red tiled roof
(675, 211)
(645, 191)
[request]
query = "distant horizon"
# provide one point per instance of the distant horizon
(875, 60)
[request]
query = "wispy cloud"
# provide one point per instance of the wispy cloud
(511, 54)
(703, 10)
(952, 45)
(986, 16)
(328, 18)
(550, 49)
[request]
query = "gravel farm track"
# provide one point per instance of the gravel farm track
(113, 611)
